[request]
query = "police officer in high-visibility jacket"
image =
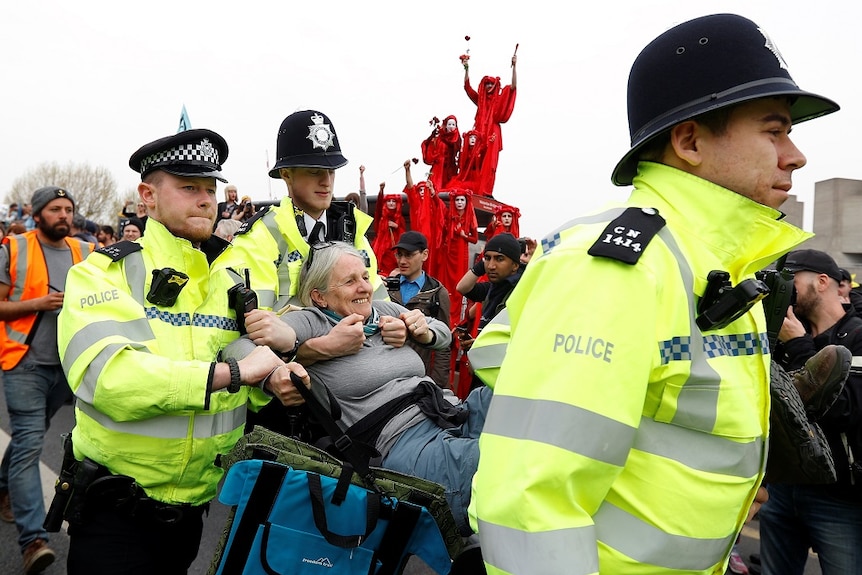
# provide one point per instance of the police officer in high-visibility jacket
(139, 339)
(631, 383)
(276, 240)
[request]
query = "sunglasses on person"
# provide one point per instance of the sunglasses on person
(315, 247)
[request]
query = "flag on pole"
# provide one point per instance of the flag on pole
(185, 123)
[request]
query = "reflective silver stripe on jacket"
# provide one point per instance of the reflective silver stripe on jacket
(562, 425)
(516, 551)
(583, 432)
(171, 426)
(136, 275)
(20, 279)
(650, 545)
(266, 297)
(538, 553)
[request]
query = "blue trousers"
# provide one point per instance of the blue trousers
(34, 393)
(799, 517)
(449, 457)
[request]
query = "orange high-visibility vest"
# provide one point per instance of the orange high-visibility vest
(28, 273)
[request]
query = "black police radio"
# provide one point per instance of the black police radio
(242, 299)
(722, 303)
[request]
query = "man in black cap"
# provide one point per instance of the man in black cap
(140, 345)
(501, 262)
(415, 289)
(678, 392)
(33, 378)
(827, 518)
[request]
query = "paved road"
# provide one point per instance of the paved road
(10, 559)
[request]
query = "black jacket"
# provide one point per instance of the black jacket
(846, 415)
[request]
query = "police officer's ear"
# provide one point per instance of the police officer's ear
(285, 174)
(146, 191)
(685, 144)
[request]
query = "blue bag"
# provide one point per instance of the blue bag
(288, 521)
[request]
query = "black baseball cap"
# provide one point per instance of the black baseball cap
(813, 261)
(412, 241)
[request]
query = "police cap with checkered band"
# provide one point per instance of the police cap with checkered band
(701, 65)
(191, 154)
(307, 139)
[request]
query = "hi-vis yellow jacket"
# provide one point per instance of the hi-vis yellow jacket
(621, 439)
(273, 251)
(142, 373)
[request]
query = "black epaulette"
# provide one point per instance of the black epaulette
(626, 237)
(246, 225)
(120, 249)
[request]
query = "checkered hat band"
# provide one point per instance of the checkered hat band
(199, 153)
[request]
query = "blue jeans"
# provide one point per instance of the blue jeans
(449, 457)
(34, 393)
(797, 517)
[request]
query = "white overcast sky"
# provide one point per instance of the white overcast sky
(91, 81)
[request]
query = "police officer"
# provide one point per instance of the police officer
(139, 340)
(275, 242)
(637, 442)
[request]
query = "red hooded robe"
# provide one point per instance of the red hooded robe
(385, 234)
(494, 106)
(440, 151)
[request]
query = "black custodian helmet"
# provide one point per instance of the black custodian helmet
(307, 139)
(701, 65)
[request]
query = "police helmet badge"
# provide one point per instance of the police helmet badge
(320, 133)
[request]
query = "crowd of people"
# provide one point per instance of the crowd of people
(613, 400)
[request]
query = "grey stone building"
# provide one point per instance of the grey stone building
(836, 223)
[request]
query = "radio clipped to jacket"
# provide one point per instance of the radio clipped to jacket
(723, 303)
(242, 299)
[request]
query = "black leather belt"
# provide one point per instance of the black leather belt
(122, 494)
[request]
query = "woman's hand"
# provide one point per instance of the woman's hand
(417, 326)
(393, 330)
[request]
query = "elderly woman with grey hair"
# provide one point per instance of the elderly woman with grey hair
(430, 434)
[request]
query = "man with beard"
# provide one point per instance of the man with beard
(33, 268)
(827, 518)
(154, 403)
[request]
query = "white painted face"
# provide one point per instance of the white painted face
(506, 218)
(390, 204)
(460, 203)
(451, 125)
(472, 139)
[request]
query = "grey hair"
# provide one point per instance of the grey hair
(317, 276)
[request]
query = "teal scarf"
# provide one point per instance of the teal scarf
(370, 328)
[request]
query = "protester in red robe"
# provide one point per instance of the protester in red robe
(426, 214)
(389, 224)
(505, 219)
(460, 231)
(494, 106)
(469, 163)
(440, 151)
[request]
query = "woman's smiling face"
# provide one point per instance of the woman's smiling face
(349, 288)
